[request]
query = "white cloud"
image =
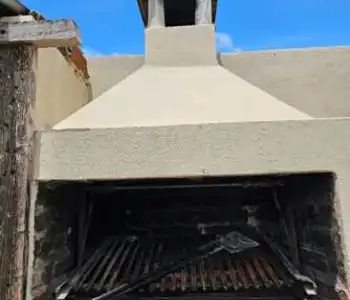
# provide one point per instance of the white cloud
(91, 52)
(224, 42)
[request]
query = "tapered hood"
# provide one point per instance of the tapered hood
(181, 82)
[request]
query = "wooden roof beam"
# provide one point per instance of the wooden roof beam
(42, 34)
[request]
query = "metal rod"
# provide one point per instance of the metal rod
(111, 264)
(211, 296)
(233, 274)
(189, 186)
(261, 272)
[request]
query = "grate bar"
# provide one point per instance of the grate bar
(108, 270)
(103, 265)
(267, 282)
(91, 265)
(113, 279)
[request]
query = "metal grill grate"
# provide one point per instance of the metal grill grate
(120, 261)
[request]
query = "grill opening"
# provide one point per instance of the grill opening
(266, 237)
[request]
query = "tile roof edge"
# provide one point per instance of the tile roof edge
(73, 55)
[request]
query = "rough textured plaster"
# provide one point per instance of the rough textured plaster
(342, 210)
(159, 96)
(180, 83)
(181, 46)
(60, 91)
(193, 150)
(315, 81)
(106, 71)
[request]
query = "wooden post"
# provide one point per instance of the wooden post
(18, 49)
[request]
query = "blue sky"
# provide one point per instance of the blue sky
(114, 26)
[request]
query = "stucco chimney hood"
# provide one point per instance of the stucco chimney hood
(181, 82)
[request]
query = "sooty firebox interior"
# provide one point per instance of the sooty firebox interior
(179, 12)
(261, 237)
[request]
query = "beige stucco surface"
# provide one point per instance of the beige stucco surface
(159, 96)
(60, 90)
(204, 150)
(181, 82)
(181, 46)
(106, 71)
(315, 81)
(193, 150)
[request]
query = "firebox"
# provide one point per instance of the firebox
(265, 237)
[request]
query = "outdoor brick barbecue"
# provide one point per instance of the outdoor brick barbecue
(184, 181)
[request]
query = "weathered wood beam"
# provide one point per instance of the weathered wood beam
(42, 34)
(17, 94)
(20, 37)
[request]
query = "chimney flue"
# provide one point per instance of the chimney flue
(170, 13)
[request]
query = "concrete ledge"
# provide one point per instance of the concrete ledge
(195, 150)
